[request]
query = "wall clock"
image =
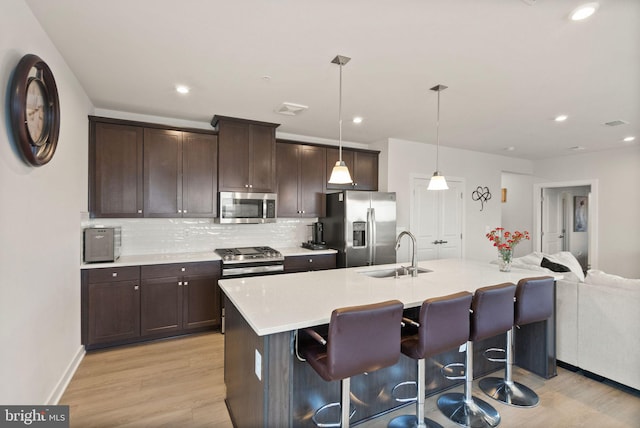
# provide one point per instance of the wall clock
(34, 110)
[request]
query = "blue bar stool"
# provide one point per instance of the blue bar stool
(534, 302)
(443, 325)
(491, 314)
(360, 339)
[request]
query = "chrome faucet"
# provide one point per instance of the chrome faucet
(414, 266)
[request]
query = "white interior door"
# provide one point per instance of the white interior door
(552, 220)
(450, 221)
(436, 219)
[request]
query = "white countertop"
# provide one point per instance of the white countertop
(206, 256)
(278, 303)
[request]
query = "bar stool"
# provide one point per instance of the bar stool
(491, 314)
(534, 302)
(360, 339)
(443, 325)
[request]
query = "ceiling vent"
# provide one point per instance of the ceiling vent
(616, 123)
(291, 109)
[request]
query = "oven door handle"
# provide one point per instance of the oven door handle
(235, 271)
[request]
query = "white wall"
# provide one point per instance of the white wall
(39, 229)
(517, 211)
(618, 175)
(406, 158)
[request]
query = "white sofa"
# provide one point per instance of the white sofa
(597, 319)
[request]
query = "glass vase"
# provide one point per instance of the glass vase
(504, 261)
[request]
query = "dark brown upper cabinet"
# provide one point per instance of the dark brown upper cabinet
(146, 170)
(180, 177)
(115, 170)
(301, 179)
(363, 167)
(246, 155)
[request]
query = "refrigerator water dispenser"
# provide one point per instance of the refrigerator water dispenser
(359, 234)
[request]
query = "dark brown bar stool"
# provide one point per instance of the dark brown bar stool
(443, 325)
(360, 339)
(534, 302)
(491, 314)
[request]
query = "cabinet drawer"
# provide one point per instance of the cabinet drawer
(180, 269)
(130, 273)
(310, 262)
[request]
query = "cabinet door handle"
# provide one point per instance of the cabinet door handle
(184, 211)
(186, 283)
(136, 287)
(139, 211)
(179, 282)
(114, 274)
(310, 260)
(183, 269)
(179, 211)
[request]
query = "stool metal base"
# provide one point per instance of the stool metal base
(410, 421)
(512, 393)
(475, 413)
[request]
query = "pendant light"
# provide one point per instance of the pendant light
(340, 173)
(438, 181)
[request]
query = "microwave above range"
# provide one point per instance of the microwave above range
(239, 207)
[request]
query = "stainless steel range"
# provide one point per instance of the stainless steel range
(250, 261)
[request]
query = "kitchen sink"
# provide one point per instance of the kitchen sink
(392, 273)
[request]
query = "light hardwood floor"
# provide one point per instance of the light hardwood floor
(179, 383)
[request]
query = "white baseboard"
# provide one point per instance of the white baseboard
(62, 384)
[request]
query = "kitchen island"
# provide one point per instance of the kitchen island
(268, 386)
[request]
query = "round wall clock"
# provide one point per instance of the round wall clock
(34, 110)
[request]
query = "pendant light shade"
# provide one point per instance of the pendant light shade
(340, 173)
(438, 181)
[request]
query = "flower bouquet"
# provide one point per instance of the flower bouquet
(506, 242)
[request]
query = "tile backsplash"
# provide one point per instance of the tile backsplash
(162, 236)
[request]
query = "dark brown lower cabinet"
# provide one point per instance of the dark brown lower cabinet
(131, 304)
(199, 298)
(160, 306)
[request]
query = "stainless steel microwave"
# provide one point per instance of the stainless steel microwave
(239, 207)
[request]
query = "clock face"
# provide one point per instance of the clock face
(36, 101)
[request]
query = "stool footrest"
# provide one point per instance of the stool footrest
(495, 359)
(450, 367)
(400, 385)
(328, 406)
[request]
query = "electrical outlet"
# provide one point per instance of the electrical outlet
(258, 365)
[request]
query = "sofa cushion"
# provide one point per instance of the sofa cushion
(556, 267)
(598, 277)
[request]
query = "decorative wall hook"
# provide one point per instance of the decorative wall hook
(481, 194)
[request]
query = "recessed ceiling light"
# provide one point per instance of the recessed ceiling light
(584, 11)
(182, 89)
(509, 149)
(357, 119)
(628, 139)
(561, 118)
(576, 148)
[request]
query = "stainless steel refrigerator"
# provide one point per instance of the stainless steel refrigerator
(361, 226)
